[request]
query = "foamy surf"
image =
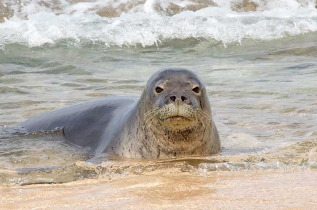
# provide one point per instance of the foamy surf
(152, 23)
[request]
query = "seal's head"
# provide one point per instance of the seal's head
(176, 98)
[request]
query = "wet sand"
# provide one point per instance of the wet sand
(269, 189)
(284, 178)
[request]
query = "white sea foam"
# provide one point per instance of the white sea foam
(128, 23)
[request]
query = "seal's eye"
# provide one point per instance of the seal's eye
(158, 89)
(196, 89)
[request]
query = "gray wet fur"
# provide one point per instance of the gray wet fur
(122, 126)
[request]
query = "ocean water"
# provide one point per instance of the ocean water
(257, 59)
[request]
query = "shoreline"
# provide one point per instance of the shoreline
(191, 183)
(170, 188)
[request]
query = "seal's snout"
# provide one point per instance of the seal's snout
(178, 99)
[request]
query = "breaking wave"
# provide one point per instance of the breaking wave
(151, 23)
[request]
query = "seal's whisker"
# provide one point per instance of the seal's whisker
(204, 129)
(149, 117)
(205, 117)
(146, 114)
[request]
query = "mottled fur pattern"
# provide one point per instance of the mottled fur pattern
(147, 138)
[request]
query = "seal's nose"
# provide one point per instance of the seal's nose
(178, 99)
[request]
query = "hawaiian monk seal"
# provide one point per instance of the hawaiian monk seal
(172, 118)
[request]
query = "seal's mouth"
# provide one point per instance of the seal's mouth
(177, 118)
(178, 122)
(174, 117)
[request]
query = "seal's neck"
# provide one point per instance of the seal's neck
(161, 142)
(176, 143)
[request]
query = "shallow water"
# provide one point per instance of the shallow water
(259, 68)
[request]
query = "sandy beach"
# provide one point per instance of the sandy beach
(173, 189)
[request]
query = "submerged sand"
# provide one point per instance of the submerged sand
(281, 178)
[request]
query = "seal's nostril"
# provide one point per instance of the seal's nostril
(173, 98)
(183, 98)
